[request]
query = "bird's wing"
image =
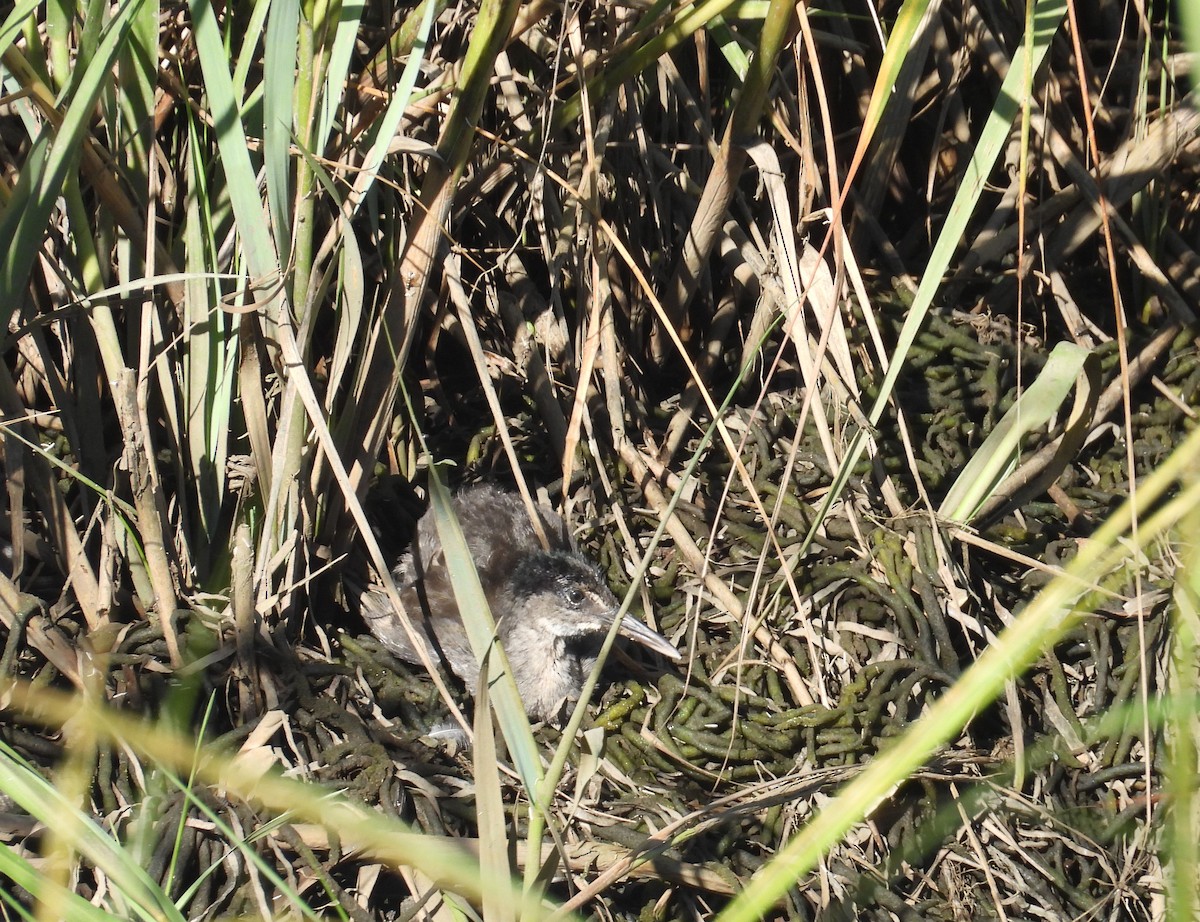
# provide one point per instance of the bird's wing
(382, 621)
(498, 531)
(451, 647)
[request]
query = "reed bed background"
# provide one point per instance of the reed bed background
(859, 340)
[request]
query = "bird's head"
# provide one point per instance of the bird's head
(564, 596)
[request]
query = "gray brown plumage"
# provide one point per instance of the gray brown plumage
(551, 606)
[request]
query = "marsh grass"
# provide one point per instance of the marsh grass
(685, 267)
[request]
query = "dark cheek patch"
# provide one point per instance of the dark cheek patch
(584, 646)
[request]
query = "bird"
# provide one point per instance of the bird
(551, 605)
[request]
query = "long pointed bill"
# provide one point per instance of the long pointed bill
(635, 630)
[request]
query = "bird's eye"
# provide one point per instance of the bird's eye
(574, 595)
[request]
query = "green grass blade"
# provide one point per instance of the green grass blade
(279, 80)
(481, 631)
(494, 869)
(389, 124)
(351, 300)
(1000, 451)
(11, 27)
(1189, 19)
(246, 58)
(687, 23)
(1182, 843)
(340, 50)
(899, 42)
(257, 244)
(17, 870)
(209, 361)
(135, 98)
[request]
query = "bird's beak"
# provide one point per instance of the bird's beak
(632, 628)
